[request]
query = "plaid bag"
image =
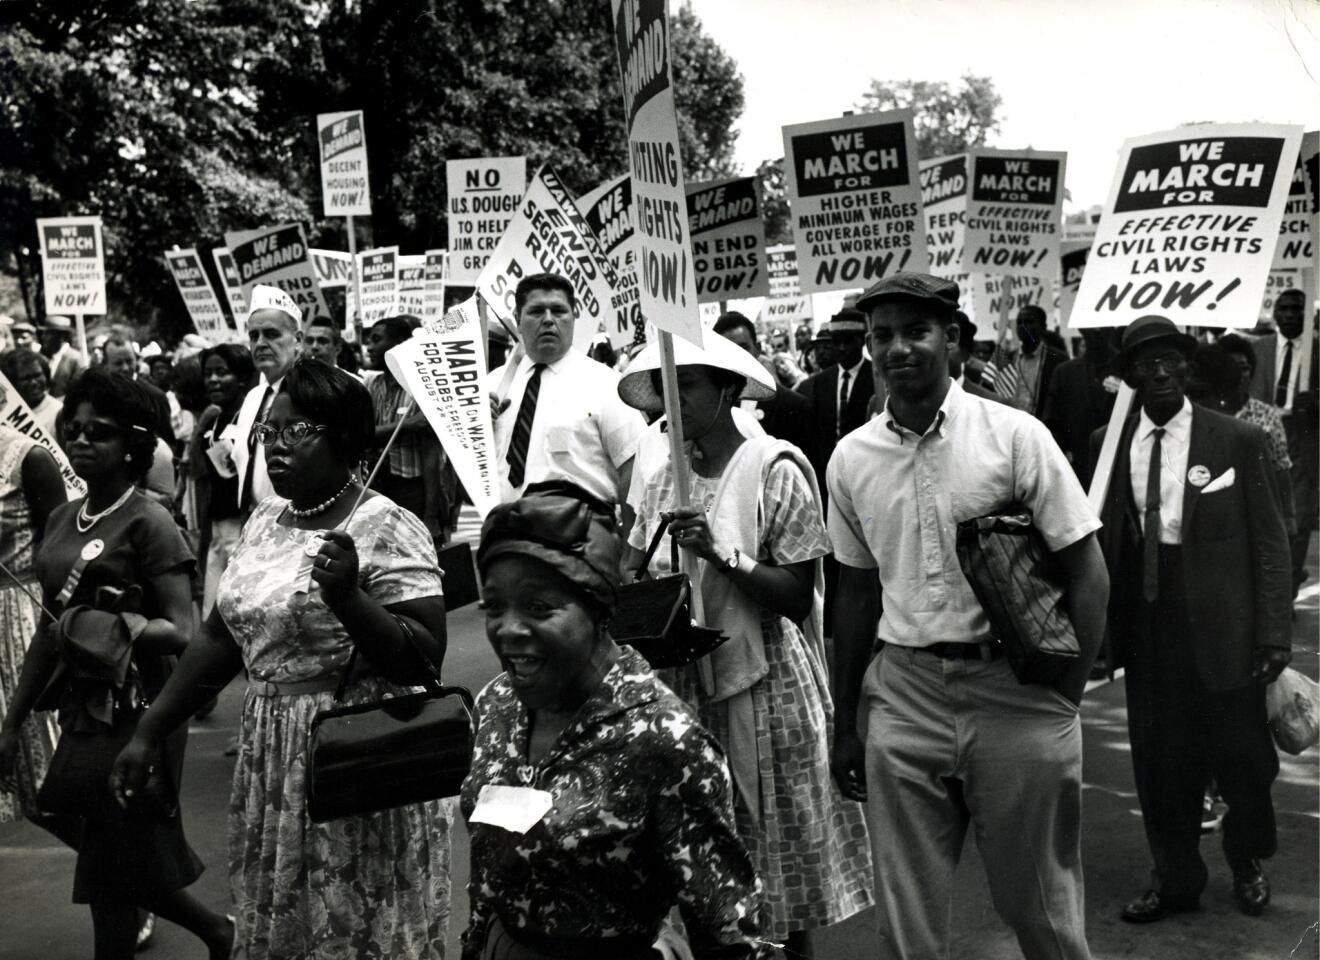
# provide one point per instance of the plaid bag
(1021, 588)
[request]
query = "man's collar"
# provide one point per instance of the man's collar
(953, 401)
(527, 363)
(1179, 426)
(852, 371)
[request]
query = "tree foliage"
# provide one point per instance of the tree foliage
(176, 120)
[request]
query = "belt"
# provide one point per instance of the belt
(296, 688)
(946, 650)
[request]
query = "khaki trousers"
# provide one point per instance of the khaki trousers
(953, 743)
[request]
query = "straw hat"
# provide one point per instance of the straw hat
(636, 390)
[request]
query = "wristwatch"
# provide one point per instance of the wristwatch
(731, 564)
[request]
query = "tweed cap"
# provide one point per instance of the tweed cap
(919, 286)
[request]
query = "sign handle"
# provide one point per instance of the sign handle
(354, 322)
(82, 339)
(1104, 465)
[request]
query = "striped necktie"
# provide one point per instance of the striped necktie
(522, 428)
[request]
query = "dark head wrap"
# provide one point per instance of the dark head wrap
(565, 528)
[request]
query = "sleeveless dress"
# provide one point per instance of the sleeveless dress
(18, 623)
(369, 887)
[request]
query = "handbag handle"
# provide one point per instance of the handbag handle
(654, 546)
(432, 681)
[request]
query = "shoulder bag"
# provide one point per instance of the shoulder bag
(655, 616)
(390, 753)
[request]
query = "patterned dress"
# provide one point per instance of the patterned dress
(641, 821)
(359, 887)
(810, 845)
(18, 623)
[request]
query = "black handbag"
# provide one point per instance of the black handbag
(1020, 586)
(391, 753)
(654, 617)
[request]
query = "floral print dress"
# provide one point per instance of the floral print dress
(359, 887)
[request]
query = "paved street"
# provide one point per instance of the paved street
(37, 922)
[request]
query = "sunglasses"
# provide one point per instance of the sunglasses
(96, 431)
(1171, 363)
(291, 434)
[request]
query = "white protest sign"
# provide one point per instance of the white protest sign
(412, 284)
(1190, 227)
(987, 300)
(345, 186)
(483, 194)
(608, 211)
(1296, 247)
(17, 414)
(785, 310)
(1072, 265)
(379, 270)
(232, 286)
(781, 268)
(198, 296)
(1014, 210)
(334, 268)
(728, 239)
(72, 264)
(278, 256)
(944, 199)
(664, 265)
(548, 235)
(435, 274)
(445, 373)
(856, 198)
(1311, 160)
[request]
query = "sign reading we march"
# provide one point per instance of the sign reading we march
(856, 198)
(1190, 228)
(345, 186)
(72, 264)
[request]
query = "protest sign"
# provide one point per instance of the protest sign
(345, 186)
(278, 256)
(1072, 264)
(379, 272)
(781, 268)
(944, 199)
(548, 235)
(17, 414)
(986, 301)
(231, 285)
(856, 198)
(1190, 227)
(1311, 160)
(444, 370)
(1014, 209)
(412, 284)
(728, 239)
(334, 268)
(785, 310)
(198, 295)
(72, 264)
(1277, 282)
(664, 266)
(435, 274)
(609, 212)
(1295, 249)
(483, 194)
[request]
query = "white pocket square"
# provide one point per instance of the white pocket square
(1221, 482)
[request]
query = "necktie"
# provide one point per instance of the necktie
(843, 399)
(522, 427)
(263, 409)
(1285, 375)
(1150, 565)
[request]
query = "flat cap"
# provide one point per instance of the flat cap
(919, 286)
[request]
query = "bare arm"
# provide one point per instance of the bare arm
(856, 613)
(169, 633)
(43, 487)
(1088, 607)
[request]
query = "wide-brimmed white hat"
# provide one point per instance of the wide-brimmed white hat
(636, 389)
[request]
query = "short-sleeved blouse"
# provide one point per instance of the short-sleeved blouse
(278, 616)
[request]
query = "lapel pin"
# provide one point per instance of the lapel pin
(1198, 476)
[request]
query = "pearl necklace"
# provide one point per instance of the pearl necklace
(86, 521)
(320, 507)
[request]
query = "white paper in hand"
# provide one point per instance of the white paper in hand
(516, 809)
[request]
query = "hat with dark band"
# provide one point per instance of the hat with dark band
(846, 321)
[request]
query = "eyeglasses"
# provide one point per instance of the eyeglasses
(96, 431)
(1171, 363)
(291, 434)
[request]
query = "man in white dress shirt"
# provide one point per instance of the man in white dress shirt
(274, 326)
(562, 418)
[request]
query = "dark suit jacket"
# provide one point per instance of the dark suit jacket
(1051, 361)
(787, 417)
(1265, 378)
(822, 391)
(1076, 405)
(1234, 548)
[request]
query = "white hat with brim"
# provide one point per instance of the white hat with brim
(266, 297)
(636, 389)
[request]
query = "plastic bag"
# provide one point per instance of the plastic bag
(1293, 704)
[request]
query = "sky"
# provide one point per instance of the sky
(1074, 75)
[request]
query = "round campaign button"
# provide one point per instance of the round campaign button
(92, 549)
(313, 546)
(1198, 476)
